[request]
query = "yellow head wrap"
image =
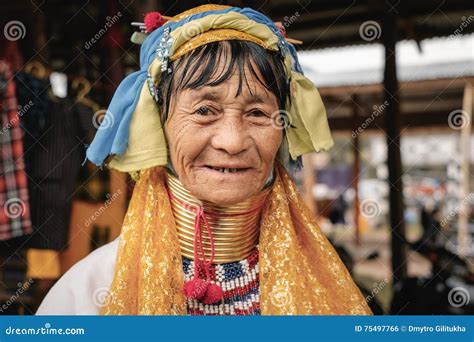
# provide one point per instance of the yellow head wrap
(146, 145)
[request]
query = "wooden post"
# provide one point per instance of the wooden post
(392, 127)
(465, 175)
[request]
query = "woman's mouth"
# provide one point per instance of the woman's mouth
(228, 169)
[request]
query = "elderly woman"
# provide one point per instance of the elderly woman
(209, 128)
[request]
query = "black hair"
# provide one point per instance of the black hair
(198, 68)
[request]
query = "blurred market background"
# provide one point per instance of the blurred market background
(395, 194)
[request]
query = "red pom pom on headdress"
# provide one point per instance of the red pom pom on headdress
(154, 20)
(281, 27)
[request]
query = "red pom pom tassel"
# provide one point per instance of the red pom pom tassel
(202, 290)
(213, 295)
(154, 20)
(195, 288)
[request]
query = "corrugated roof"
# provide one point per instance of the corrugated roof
(362, 65)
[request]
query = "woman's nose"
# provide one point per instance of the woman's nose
(231, 136)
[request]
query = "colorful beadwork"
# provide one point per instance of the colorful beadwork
(240, 283)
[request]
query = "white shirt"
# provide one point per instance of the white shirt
(83, 289)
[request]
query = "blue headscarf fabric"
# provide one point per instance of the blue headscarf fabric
(112, 135)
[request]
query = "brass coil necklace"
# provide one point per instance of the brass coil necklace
(235, 228)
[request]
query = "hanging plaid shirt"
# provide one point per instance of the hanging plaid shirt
(14, 207)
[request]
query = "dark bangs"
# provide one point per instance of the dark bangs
(199, 68)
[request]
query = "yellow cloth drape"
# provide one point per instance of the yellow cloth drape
(300, 272)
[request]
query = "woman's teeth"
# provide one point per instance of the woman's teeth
(224, 170)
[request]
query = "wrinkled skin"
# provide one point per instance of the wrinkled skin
(211, 127)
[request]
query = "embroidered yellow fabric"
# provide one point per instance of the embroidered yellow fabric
(301, 274)
(198, 9)
(217, 35)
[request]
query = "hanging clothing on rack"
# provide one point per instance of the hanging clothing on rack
(10, 53)
(15, 214)
(55, 165)
(55, 139)
(95, 185)
(32, 92)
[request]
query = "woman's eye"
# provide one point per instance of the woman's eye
(257, 113)
(203, 110)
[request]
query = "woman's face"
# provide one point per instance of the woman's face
(222, 147)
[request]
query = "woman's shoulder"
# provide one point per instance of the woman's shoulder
(82, 289)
